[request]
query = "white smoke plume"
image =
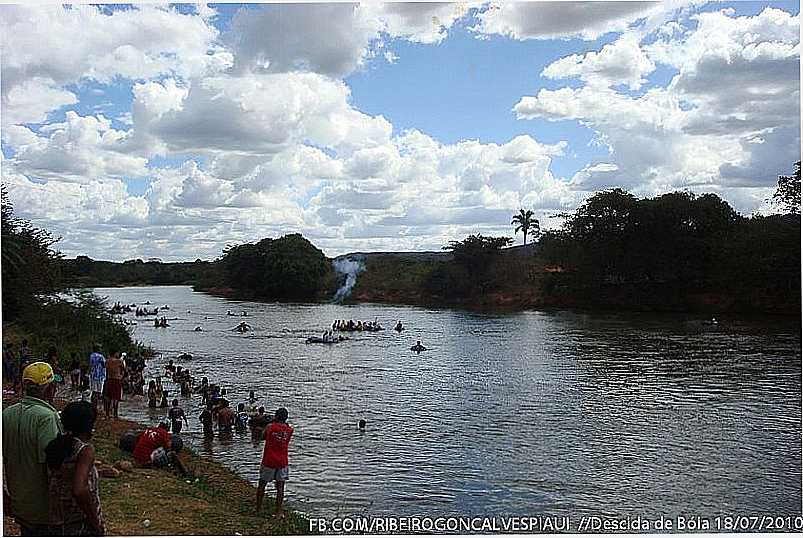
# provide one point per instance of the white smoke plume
(350, 268)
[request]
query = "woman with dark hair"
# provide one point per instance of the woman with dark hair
(72, 476)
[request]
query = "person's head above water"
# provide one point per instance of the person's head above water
(419, 343)
(251, 394)
(261, 410)
(362, 424)
(281, 415)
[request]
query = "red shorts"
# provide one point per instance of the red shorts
(114, 389)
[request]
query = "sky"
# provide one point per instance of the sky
(171, 131)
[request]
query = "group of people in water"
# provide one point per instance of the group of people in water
(120, 308)
(351, 325)
(216, 413)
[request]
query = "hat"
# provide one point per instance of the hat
(40, 373)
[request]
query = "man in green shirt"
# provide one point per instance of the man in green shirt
(28, 427)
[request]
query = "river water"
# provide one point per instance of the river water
(549, 413)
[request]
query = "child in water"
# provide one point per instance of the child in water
(176, 414)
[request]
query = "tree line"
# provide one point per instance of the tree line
(614, 250)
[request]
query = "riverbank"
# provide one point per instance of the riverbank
(219, 503)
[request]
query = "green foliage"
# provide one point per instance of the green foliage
(669, 246)
(74, 323)
(615, 237)
(787, 195)
(525, 222)
(476, 255)
(286, 268)
(30, 266)
(32, 305)
(86, 272)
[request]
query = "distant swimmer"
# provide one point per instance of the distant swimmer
(361, 424)
(198, 329)
(245, 313)
(418, 348)
(399, 327)
(229, 313)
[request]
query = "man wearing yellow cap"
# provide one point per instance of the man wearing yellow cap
(28, 426)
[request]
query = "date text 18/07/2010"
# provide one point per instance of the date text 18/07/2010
(691, 523)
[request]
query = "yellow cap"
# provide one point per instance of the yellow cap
(39, 373)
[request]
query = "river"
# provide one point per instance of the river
(550, 413)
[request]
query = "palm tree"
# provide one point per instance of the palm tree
(526, 222)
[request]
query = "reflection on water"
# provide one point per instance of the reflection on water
(519, 414)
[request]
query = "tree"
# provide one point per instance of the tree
(286, 268)
(787, 195)
(526, 222)
(476, 255)
(30, 267)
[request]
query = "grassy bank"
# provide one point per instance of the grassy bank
(220, 503)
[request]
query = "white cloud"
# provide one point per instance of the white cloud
(621, 62)
(32, 101)
(729, 118)
(78, 150)
(419, 22)
(548, 20)
(259, 114)
(331, 39)
(66, 44)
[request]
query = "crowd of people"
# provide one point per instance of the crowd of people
(52, 486)
(49, 456)
(351, 325)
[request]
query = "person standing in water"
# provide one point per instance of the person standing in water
(176, 414)
(115, 368)
(97, 375)
(275, 466)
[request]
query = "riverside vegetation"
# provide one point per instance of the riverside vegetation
(38, 306)
(674, 252)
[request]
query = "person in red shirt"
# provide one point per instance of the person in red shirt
(274, 467)
(153, 448)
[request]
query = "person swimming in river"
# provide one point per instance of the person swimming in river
(229, 313)
(418, 348)
(243, 327)
(198, 329)
(399, 327)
